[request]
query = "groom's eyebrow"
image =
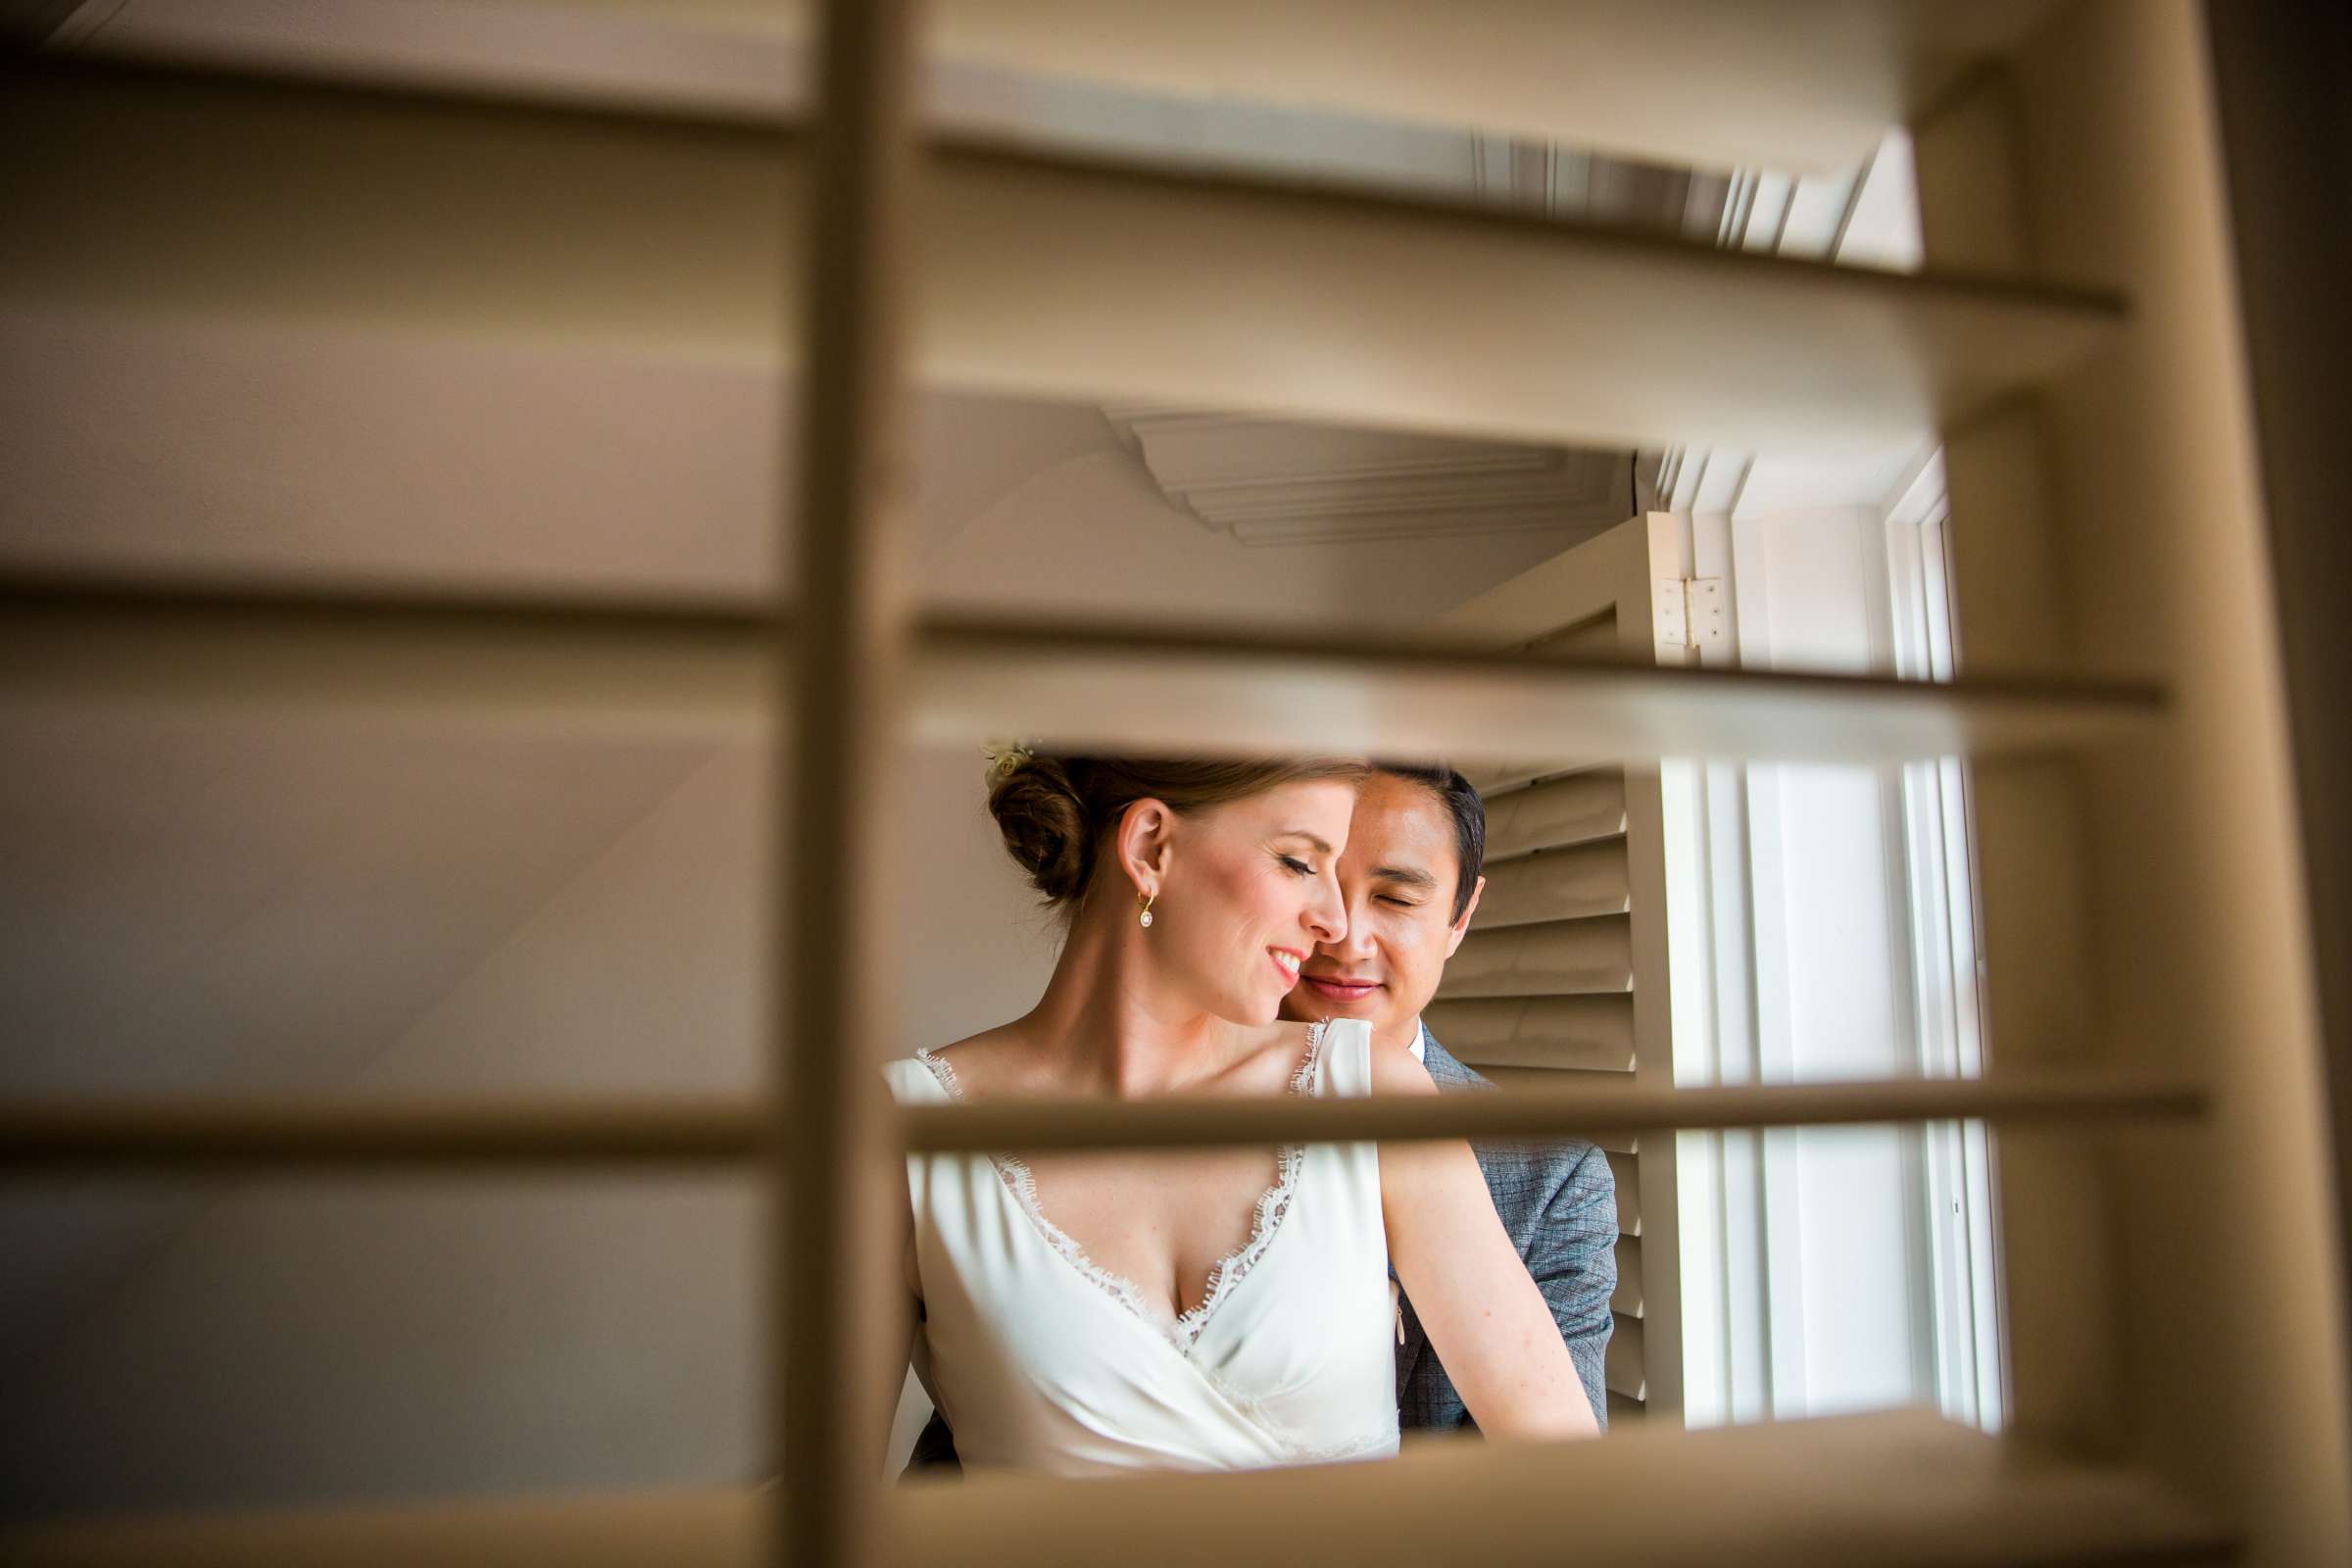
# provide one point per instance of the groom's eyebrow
(1411, 875)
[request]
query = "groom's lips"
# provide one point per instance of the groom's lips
(1339, 988)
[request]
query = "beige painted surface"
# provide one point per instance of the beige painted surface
(2193, 928)
(2196, 835)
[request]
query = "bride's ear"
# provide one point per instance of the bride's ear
(1144, 843)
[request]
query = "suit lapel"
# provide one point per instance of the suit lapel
(1444, 1070)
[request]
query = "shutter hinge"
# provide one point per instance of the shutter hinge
(1690, 613)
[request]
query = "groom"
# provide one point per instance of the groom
(1411, 878)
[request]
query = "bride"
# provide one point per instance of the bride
(1212, 1309)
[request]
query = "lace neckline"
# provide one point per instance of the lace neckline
(1273, 1204)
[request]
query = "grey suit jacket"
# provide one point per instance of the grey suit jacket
(1558, 1202)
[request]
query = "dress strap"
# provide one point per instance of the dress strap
(1345, 1057)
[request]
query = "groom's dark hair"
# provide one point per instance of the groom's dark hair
(1469, 814)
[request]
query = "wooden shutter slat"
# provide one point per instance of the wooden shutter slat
(1127, 686)
(1401, 289)
(200, 1133)
(1563, 958)
(1540, 1080)
(1803, 84)
(1626, 1301)
(1624, 1368)
(1566, 884)
(1585, 1033)
(702, 668)
(351, 207)
(230, 1133)
(1773, 1495)
(1629, 1193)
(1808, 85)
(1576, 810)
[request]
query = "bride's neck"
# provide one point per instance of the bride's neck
(1116, 1025)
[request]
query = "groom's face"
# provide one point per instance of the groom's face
(1399, 877)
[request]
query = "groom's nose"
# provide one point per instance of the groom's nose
(1356, 939)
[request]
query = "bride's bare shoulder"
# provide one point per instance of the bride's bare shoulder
(1276, 1052)
(994, 1060)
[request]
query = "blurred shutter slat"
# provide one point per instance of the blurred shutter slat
(398, 211)
(1767, 1494)
(1130, 686)
(222, 1132)
(1798, 84)
(708, 668)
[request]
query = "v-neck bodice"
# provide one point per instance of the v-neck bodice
(1041, 1361)
(1265, 1223)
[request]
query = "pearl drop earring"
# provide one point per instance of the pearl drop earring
(1145, 901)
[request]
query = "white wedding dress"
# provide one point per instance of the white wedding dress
(1040, 1360)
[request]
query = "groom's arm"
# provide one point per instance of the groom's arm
(1573, 1255)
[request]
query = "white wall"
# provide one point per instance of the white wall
(392, 1338)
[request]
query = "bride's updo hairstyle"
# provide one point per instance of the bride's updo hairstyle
(1055, 810)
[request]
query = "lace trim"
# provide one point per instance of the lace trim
(1377, 1442)
(1273, 1204)
(1374, 1442)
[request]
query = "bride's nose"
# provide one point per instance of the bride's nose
(1327, 914)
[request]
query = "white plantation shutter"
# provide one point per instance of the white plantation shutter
(1567, 978)
(1556, 907)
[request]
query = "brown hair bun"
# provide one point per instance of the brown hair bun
(1053, 811)
(1044, 826)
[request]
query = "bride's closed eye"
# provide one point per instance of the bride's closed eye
(1295, 865)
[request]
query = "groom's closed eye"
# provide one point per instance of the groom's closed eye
(1402, 886)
